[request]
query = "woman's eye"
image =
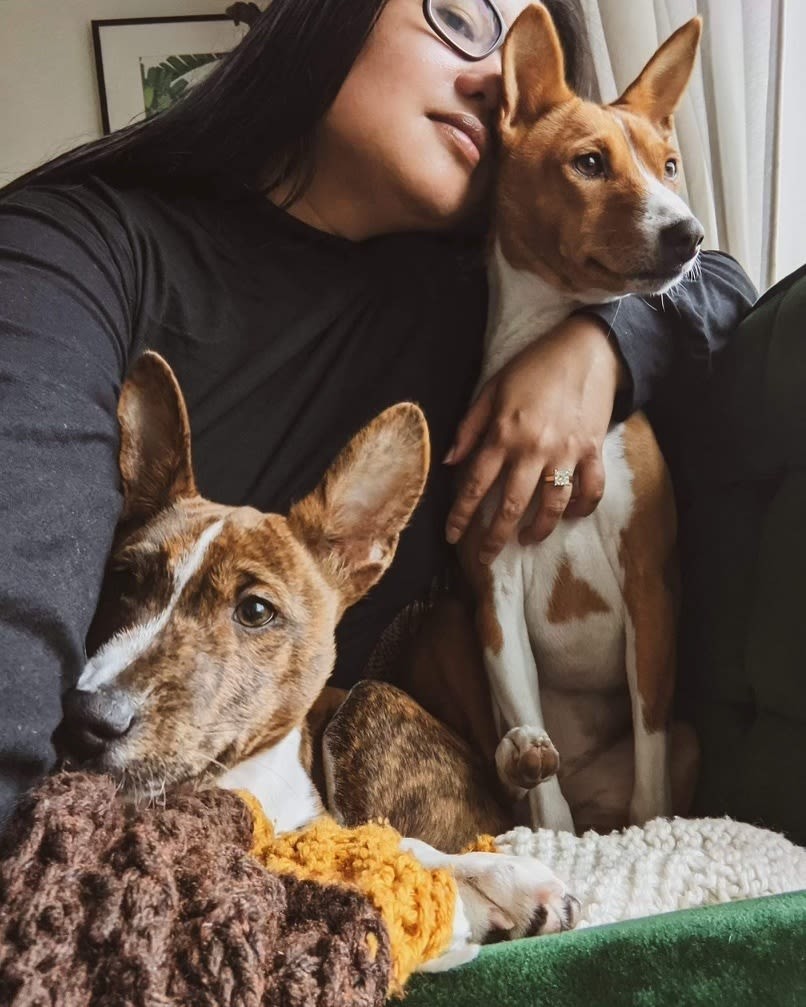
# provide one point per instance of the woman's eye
(590, 165)
(457, 21)
(670, 168)
(254, 612)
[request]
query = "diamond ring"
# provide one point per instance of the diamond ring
(561, 477)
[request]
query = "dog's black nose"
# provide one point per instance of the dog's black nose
(91, 721)
(680, 241)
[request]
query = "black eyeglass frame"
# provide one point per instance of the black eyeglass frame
(429, 16)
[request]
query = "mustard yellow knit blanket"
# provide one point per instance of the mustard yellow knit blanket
(417, 904)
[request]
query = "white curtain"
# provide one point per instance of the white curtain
(727, 125)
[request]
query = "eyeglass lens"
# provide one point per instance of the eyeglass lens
(472, 26)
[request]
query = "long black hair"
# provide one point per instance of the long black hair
(249, 125)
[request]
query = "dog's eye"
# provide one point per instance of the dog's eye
(124, 579)
(590, 165)
(254, 612)
(670, 168)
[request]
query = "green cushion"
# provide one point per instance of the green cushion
(744, 622)
(751, 952)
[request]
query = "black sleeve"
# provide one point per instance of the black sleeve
(687, 327)
(66, 291)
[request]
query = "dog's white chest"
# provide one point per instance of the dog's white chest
(277, 778)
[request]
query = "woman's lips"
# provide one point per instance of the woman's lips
(466, 133)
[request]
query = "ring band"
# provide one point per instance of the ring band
(561, 478)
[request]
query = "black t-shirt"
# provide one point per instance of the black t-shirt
(286, 341)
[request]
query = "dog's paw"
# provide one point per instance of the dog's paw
(525, 757)
(512, 897)
(499, 896)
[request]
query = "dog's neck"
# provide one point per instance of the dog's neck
(523, 307)
(278, 779)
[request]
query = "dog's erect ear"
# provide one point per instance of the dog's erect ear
(657, 90)
(155, 463)
(352, 521)
(534, 69)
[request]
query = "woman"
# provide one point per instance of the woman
(300, 238)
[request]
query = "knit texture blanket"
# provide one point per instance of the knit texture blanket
(105, 905)
(664, 866)
(198, 901)
(417, 904)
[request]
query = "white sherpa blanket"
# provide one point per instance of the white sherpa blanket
(667, 864)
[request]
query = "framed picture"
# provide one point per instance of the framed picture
(144, 65)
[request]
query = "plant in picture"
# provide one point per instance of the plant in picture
(164, 83)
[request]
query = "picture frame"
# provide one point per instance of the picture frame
(143, 65)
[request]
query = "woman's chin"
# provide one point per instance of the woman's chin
(448, 202)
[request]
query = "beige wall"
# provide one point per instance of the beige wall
(48, 91)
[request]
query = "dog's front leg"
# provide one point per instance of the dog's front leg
(648, 557)
(496, 893)
(526, 760)
(649, 625)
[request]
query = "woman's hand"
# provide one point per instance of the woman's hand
(548, 409)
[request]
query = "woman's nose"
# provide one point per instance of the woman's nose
(482, 82)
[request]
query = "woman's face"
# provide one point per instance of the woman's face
(387, 143)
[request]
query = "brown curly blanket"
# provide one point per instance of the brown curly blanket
(105, 904)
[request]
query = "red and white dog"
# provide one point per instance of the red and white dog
(579, 631)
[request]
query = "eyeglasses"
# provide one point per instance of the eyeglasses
(474, 28)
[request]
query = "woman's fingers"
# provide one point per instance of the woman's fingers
(552, 401)
(480, 476)
(590, 480)
(553, 499)
(518, 489)
(579, 499)
(473, 426)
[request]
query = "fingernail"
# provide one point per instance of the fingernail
(449, 456)
(452, 535)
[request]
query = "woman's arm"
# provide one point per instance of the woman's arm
(690, 325)
(65, 296)
(552, 404)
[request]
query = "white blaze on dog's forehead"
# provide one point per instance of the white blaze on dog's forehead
(662, 206)
(126, 647)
